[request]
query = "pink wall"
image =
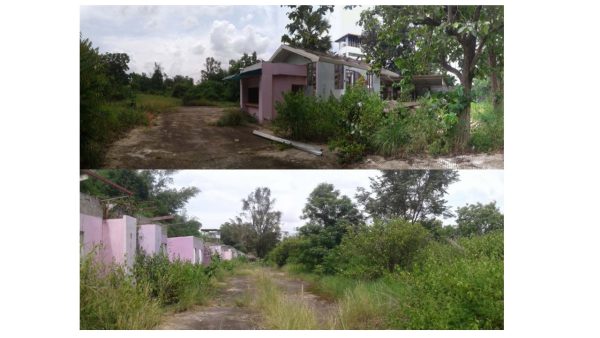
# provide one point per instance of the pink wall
(117, 238)
(276, 78)
(188, 248)
(91, 226)
(151, 238)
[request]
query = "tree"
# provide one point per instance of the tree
(184, 226)
(238, 234)
(246, 60)
(308, 28)
(156, 81)
(325, 207)
(330, 216)
(478, 219)
(413, 195)
(233, 87)
(451, 37)
(258, 211)
(153, 195)
(212, 70)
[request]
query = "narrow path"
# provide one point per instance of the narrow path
(232, 308)
(225, 312)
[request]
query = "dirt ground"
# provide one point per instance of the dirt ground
(225, 312)
(221, 314)
(187, 138)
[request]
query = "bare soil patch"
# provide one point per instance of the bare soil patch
(186, 138)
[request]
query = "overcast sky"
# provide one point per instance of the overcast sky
(180, 38)
(222, 191)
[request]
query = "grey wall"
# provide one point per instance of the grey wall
(89, 205)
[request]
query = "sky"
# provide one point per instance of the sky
(180, 38)
(222, 191)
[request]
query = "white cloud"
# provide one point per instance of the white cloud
(228, 42)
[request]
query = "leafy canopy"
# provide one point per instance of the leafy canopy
(308, 28)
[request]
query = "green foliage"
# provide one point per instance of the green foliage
(488, 133)
(428, 129)
(450, 39)
(303, 117)
(152, 194)
(287, 251)
(234, 117)
(414, 195)
(478, 219)
(184, 226)
(111, 300)
(176, 284)
(383, 247)
(308, 28)
(258, 228)
(455, 289)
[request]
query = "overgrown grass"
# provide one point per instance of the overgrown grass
(282, 311)
(156, 103)
(98, 129)
(111, 298)
(447, 288)
(234, 117)
(488, 131)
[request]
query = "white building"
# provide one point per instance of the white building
(349, 46)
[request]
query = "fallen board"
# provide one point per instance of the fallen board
(298, 145)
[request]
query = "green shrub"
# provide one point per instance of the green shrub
(111, 300)
(179, 284)
(384, 247)
(392, 136)
(287, 251)
(234, 117)
(303, 117)
(488, 133)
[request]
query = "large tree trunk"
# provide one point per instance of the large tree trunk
(496, 83)
(463, 131)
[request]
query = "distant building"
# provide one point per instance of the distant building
(349, 46)
(188, 248)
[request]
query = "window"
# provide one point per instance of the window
(369, 80)
(339, 76)
(311, 74)
(298, 88)
(253, 95)
(349, 77)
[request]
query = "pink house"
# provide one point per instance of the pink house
(116, 238)
(152, 239)
(299, 70)
(188, 248)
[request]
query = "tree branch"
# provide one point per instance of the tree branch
(479, 50)
(451, 69)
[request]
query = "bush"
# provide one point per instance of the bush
(179, 284)
(454, 289)
(304, 117)
(111, 300)
(235, 117)
(428, 129)
(287, 251)
(390, 245)
(488, 132)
